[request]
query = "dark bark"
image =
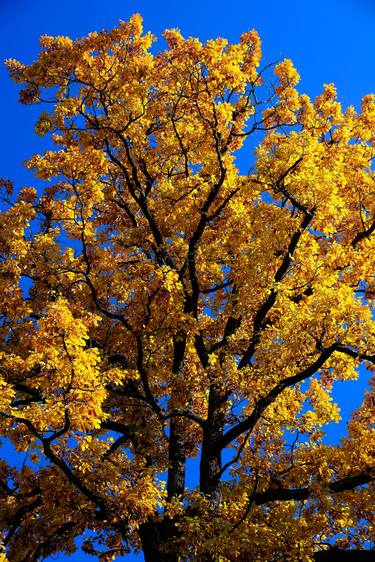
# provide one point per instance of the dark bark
(158, 536)
(177, 449)
(301, 494)
(365, 234)
(249, 423)
(260, 319)
(177, 459)
(210, 465)
(337, 555)
(155, 537)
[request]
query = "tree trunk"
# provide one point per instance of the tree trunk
(177, 460)
(155, 536)
(158, 536)
(210, 465)
(177, 449)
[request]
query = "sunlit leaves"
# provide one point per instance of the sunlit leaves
(156, 300)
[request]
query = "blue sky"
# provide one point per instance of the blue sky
(328, 41)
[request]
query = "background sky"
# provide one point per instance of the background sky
(328, 41)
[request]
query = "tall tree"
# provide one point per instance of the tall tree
(177, 308)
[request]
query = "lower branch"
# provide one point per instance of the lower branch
(299, 494)
(336, 555)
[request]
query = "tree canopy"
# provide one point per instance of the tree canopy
(160, 305)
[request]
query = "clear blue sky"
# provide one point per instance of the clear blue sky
(328, 40)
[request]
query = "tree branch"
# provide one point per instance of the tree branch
(365, 234)
(249, 423)
(299, 494)
(260, 317)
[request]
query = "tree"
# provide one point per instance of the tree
(177, 308)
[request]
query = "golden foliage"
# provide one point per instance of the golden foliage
(179, 308)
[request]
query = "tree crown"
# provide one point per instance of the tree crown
(179, 307)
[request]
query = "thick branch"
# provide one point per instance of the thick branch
(45, 545)
(190, 262)
(299, 494)
(63, 466)
(365, 234)
(231, 326)
(17, 518)
(177, 448)
(248, 423)
(355, 354)
(338, 555)
(260, 317)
